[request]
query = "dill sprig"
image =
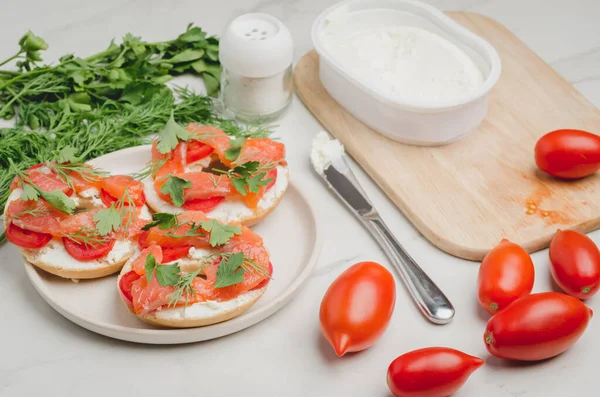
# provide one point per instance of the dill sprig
(87, 172)
(149, 170)
(194, 231)
(35, 212)
(185, 287)
(87, 236)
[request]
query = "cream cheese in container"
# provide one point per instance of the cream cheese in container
(405, 69)
(256, 52)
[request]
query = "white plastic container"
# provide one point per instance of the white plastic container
(424, 124)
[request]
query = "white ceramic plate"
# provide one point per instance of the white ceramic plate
(290, 233)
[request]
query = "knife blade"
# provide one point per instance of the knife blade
(430, 300)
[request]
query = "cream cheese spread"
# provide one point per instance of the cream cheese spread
(406, 63)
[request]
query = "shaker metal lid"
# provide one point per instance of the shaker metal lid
(256, 45)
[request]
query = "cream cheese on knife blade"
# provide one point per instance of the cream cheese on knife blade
(325, 151)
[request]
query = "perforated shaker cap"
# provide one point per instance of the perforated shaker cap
(256, 45)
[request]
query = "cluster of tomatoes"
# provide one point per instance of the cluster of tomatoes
(358, 305)
(356, 311)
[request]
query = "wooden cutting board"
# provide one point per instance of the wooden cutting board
(467, 196)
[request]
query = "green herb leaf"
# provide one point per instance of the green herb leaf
(186, 56)
(165, 274)
(80, 102)
(59, 200)
(191, 35)
(150, 266)
(142, 92)
(234, 149)
(240, 185)
(31, 42)
(29, 192)
(163, 220)
(170, 136)
(230, 271)
(67, 155)
(174, 187)
(255, 182)
(220, 233)
(108, 220)
(213, 52)
(211, 83)
(168, 274)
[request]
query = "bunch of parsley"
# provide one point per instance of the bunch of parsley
(109, 101)
(131, 72)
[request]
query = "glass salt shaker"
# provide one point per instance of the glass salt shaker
(256, 53)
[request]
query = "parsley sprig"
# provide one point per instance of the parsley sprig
(174, 187)
(119, 216)
(248, 177)
(231, 270)
(55, 198)
(165, 274)
(220, 233)
(171, 135)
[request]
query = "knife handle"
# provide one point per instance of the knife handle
(430, 299)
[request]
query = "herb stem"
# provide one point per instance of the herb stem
(17, 55)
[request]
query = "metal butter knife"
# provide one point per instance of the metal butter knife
(430, 299)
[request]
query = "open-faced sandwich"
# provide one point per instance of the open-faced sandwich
(72, 220)
(194, 271)
(203, 169)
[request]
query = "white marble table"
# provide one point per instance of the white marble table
(44, 354)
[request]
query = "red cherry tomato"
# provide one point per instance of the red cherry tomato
(575, 263)
(272, 174)
(537, 327)
(506, 273)
(204, 205)
(357, 307)
(568, 154)
(197, 150)
(266, 281)
(143, 239)
(26, 238)
(171, 254)
(430, 372)
(83, 253)
(125, 284)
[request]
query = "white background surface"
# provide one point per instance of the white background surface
(44, 354)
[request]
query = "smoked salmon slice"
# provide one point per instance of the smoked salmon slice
(211, 136)
(206, 185)
(149, 296)
(43, 178)
(139, 264)
(117, 185)
(37, 216)
(251, 199)
(81, 181)
(82, 221)
(263, 150)
(174, 237)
